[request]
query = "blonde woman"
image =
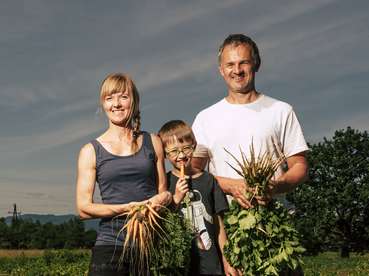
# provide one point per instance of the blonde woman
(127, 164)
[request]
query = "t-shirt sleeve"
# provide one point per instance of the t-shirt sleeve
(220, 201)
(199, 132)
(292, 138)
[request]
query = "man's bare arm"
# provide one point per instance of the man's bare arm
(297, 173)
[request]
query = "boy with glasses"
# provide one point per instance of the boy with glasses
(199, 198)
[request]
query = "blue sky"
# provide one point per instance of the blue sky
(54, 55)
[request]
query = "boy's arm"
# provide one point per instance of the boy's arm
(222, 238)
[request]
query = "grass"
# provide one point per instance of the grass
(49, 263)
(75, 262)
(17, 253)
(29, 252)
(330, 263)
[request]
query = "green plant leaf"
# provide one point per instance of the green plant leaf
(247, 222)
(232, 220)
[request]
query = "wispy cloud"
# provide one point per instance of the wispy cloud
(181, 13)
(62, 135)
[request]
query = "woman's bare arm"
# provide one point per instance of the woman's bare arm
(164, 197)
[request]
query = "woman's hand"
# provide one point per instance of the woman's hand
(160, 200)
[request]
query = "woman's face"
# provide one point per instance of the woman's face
(117, 107)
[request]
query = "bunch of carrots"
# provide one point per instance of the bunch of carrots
(142, 228)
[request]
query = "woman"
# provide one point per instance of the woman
(127, 164)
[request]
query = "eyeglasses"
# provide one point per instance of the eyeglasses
(186, 150)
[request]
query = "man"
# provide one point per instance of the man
(244, 117)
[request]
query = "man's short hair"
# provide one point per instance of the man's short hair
(239, 39)
(176, 130)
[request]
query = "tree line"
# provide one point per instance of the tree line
(332, 208)
(27, 234)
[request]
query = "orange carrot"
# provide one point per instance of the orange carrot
(182, 173)
(153, 211)
(135, 229)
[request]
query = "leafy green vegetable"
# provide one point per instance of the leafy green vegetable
(261, 240)
(173, 254)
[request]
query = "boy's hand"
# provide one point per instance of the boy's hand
(181, 190)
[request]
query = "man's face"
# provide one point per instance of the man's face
(237, 68)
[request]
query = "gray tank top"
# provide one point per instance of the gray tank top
(123, 179)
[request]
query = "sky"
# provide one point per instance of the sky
(54, 55)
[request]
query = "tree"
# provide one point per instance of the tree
(333, 207)
(4, 234)
(89, 238)
(75, 231)
(26, 234)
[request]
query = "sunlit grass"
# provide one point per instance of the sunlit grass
(29, 252)
(18, 253)
(17, 262)
(330, 263)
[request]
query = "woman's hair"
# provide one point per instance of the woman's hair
(118, 82)
(176, 130)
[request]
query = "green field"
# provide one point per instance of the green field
(331, 264)
(44, 263)
(67, 262)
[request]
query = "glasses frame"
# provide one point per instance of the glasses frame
(176, 151)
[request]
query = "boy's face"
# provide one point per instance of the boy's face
(178, 153)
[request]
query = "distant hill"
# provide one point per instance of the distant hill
(55, 219)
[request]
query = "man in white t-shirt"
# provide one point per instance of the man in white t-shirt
(244, 117)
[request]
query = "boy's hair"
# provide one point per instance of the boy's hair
(176, 130)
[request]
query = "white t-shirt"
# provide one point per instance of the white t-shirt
(264, 123)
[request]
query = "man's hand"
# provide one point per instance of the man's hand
(238, 190)
(268, 196)
(229, 270)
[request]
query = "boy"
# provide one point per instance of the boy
(197, 194)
